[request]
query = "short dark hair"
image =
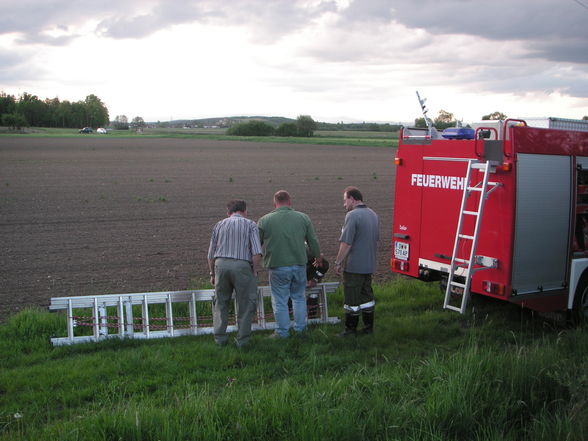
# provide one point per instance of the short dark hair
(282, 196)
(353, 192)
(236, 205)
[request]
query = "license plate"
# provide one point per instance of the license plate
(401, 250)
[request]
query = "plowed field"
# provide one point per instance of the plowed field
(95, 215)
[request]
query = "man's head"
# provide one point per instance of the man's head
(352, 198)
(282, 199)
(236, 206)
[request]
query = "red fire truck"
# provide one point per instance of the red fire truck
(498, 209)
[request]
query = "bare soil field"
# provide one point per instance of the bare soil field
(91, 215)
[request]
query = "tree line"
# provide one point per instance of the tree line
(446, 119)
(363, 126)
(29, 110)
(304, 127)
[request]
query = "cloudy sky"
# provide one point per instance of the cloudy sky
(336, 60)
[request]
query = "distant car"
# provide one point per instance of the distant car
(101, 131)
(86, 130)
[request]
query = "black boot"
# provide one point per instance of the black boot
(351, 322)
(368, 322)
(312, 305)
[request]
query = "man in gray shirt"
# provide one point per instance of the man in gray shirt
(357, 260)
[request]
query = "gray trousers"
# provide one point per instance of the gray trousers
(233, 275)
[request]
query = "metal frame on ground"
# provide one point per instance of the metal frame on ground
(130, 322)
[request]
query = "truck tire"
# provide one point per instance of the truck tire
(581, 302)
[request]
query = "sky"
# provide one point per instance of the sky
(335, 60)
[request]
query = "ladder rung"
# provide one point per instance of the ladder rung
(459, 285)
(457, 259)
(465, 236)
(475, 188)
(453, 308)
(473, 213)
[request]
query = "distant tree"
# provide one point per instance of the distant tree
(14, 121)
(51, 112)
(121, 122)
(51, 118)
(444, 119)
(287, 129)
(306, 125)
(31, 108)
(137, 123)
(251, 128)
(7, 103)
(494, 116)
(96, 112)
(585, 118)
(78, 114)
(420, 123)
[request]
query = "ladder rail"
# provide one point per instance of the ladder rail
(143, 328)
(457, 241)
(481, 203)
(469, 264)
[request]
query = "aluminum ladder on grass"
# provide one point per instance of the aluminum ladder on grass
(131, 315)
(473, 262)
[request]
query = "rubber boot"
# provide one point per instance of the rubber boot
(351, 322)
(368, 322)
(313, 307)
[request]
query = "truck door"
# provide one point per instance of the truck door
(542, 222)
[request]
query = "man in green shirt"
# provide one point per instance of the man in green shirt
(284, 233)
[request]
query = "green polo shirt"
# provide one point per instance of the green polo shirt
(283, 234)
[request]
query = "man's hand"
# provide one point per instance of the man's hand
(344, 249)
(318, 261)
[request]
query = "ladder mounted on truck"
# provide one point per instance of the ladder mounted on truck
(459, 284)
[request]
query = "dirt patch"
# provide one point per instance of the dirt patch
(90, 215)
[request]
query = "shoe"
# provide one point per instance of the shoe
(276, 336)
(368, 322)
(347, 333)
(241, 344)
(301, 334)
(366, 331)
(351, 321)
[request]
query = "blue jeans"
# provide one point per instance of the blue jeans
(288, 282)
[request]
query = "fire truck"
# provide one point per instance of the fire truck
(499, 208)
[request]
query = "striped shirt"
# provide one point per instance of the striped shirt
(235, 237)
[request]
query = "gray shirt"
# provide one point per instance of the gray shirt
(361, 231)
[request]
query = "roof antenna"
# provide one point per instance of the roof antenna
(432, 130)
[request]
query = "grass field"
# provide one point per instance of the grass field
(322, 137)
(496, 373)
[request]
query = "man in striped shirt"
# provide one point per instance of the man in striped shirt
(234, 259)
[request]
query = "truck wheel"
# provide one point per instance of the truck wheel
(581, 302)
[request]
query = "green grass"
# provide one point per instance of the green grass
(334, 137)
(496, 373)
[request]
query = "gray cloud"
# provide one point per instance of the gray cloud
(16, 68)
(522, 42)
(554, 30)
(32, 19)
(138, 19)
